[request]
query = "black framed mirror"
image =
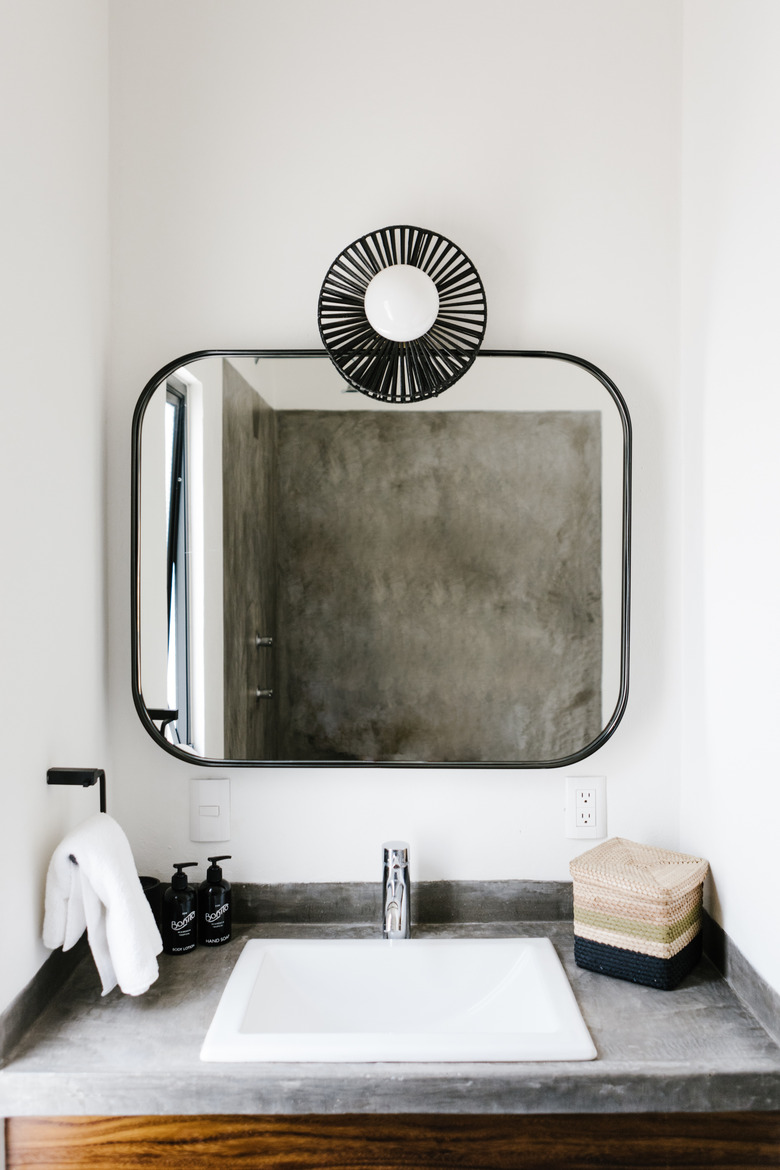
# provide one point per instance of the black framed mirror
(321, 579)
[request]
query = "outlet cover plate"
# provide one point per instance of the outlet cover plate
(586, 806)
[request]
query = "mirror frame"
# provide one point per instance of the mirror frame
(180, 754)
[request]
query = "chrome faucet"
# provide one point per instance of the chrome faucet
(396, 891)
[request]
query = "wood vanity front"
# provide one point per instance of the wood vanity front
(685, 1141)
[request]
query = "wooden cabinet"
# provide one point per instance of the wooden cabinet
(683, 1141)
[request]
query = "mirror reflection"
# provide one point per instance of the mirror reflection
(320, 577)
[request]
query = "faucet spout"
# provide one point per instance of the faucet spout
(396, 891)
(392, 919)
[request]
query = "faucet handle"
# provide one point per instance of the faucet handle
(396, 853)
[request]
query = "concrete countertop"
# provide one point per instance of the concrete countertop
(696, 1048)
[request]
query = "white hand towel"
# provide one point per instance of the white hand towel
(100, 890)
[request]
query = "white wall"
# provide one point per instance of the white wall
(557, 168)
(251, 141)
(53, 309)
(731, 302)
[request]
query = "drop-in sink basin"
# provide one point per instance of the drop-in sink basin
(410, 1000)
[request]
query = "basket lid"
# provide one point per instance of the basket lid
(653, 873)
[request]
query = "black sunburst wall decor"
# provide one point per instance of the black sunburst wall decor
(402, 314)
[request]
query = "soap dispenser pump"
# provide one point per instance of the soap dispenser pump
(179, 918)
(214, 906)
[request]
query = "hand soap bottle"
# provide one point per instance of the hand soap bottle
(214, 909)
(179, 917)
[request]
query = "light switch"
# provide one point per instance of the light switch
(210, 810)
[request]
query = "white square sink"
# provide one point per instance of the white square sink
(410, 1000)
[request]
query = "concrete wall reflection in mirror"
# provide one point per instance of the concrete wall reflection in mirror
(441, 581)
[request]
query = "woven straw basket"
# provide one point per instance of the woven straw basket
(637, 912)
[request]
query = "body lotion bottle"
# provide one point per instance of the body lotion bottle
(179, 913)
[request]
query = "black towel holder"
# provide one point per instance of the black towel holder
(86, 777)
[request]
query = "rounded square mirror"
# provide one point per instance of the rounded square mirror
(321, 578)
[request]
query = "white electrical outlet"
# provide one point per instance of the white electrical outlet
(586, 806)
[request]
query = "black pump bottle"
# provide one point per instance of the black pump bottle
(179, 913)
(214, 909)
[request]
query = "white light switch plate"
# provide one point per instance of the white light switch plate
(210, 810)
